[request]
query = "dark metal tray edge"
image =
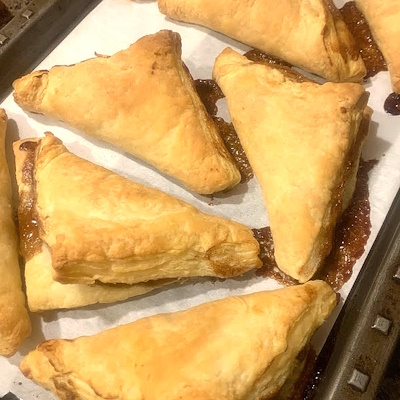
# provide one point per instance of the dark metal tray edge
(29, 40)
(367, 330)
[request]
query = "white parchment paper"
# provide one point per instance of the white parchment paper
(111, 27)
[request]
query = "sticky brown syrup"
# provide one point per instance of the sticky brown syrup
(30, 241)
(269, 268)
(351, 236)
(209, 93)
(392, 104)
(261, 57)
(232, 143)
(369, 51)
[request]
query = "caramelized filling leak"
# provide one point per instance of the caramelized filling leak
(351, 236)
(392, 104)
(269, 268)
(358, 26)
(286, 68)
(370, 53)
(259, 56)
(209, 93)
(30, 242)
(232, 143)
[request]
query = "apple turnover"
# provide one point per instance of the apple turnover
(15, 323)
(308, 34)
(142, 100)
(383, 17)
(93, 225)
(303, 141)
(43, 291)
(237, 348)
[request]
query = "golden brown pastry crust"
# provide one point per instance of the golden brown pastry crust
(299, 138)
(383, 17)
(100, 226)
(142, 100)
(309, 34)
(238, 348)
(15, 324)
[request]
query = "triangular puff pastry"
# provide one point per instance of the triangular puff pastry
(383, 17)
(100, 226)
(142, 100)
(303, 142)
(308, 34)
(43, 291)
(15, 324)
(238, 348)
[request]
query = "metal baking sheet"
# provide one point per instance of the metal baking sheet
(113, 25)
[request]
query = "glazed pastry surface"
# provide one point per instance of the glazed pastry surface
(15, 323)
(142, 100)
(238, 348)
(303, 142)
(309, 34)
(383, 17)
(100, 226)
